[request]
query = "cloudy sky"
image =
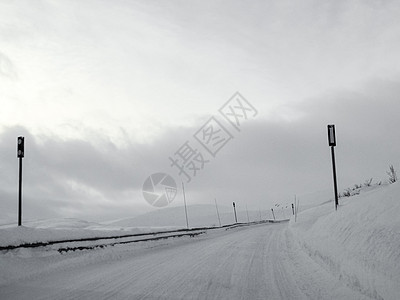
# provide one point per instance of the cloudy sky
(106, 91)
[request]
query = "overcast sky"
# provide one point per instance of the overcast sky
(106, 91)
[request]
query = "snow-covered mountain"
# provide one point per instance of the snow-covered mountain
(199, 215)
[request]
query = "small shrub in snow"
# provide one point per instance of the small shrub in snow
(368, 182)
(392, 174)
(347, 192)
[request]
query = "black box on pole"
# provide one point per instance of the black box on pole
(20, 146)
(331, 135)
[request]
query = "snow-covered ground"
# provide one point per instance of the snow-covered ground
(250, 262)
(160, 220)
(352, 253)
(64, 229)
(360, 243)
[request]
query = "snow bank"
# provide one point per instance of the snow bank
(360, 243)
(62, 229)
(156, 221)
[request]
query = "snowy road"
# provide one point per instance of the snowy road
(251, 262)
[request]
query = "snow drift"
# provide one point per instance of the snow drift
(359, 243)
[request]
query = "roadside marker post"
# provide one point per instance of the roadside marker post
(184, 202)
(234, 210)
(20, 155)
(332, 144)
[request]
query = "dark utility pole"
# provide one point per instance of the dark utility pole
(234, 210)
(332, 144)
(20, 155)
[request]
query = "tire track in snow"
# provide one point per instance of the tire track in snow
(253, 262)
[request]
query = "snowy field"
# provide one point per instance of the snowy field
(353, 253)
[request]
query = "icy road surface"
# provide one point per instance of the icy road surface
(250, 262)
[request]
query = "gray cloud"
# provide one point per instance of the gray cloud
(82, 178)
(267, 162)
(7, 68)
(272, 161)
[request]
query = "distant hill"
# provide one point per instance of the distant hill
(199, 215)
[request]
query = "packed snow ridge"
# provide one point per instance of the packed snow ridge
(360, 242)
